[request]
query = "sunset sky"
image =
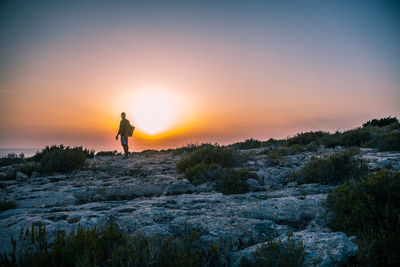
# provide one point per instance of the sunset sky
(186, 71)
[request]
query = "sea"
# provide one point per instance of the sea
(28, 152)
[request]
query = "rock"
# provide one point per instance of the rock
(205, 187)
(254, 185)
(74, 219)
(290, 210)
(10, 172)
(180, 187)
(35, 174)
(326, 249)
(152, 230)
(20, 176)
(3, 175)
(321, 249)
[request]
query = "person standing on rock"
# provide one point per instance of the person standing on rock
(125, 130)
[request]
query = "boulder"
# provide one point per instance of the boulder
(326, 249)
(289, 210)
(180, 187)
(254, 185)
(20, 176)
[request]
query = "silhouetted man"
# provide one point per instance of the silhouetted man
(124, 128)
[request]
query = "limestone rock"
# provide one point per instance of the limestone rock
(20, 176)
(180, 187)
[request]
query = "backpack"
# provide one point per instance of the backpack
(130, 130)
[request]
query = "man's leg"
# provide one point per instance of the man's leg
(126, 150)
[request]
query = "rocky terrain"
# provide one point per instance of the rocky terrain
(145, 193)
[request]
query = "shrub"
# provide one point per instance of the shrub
(110, 247)
(61, 159)
(278, 253)
(225, 157)
(391, 141)
(11, 159)
(249, 144)
(306, 138)
(337, 168)
(7, 205)
(370, 209)
(381, 122)
(202, 173)
(234, 181)
(355, 137)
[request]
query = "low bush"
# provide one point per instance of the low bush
(234, 181)
(370, 209)
(277, 253)
(249, 144)
(390, 141)
(110, 247)
(306, 138)
(381, 122)
(61, 159)
(11, 159)
(336, 168)
(356, 137)
(209, 154)
(202, 173)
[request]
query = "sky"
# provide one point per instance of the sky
(193, 71)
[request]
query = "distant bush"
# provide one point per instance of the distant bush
(338, 167)
(249, 144)
(106, 153)
(234, 181)
(40, 154)
(391, 141)
(11, 159)
(370, 209)
(61, 159)
(356, 137)
(7, 205)
(277, 253)
(110, 247)
(225, 157)
(381, 122)
(306, 138)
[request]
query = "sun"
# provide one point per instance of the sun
(153, 111)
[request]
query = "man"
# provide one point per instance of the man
(124, 127)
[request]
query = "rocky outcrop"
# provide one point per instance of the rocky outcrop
(145, 194)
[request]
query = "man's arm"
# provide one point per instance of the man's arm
(119, 131)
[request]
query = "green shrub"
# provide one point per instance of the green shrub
(7, 205)
(306, 138)
(110, 247)
(225, 157)
(202, 173)
(278, 253)
(381, 122)
(370, 209)
(11, 159)
(61, 159)
(249, 144)
(338, 167)
(355, 137)
(391, 141)
(234, 181)
(40, 154)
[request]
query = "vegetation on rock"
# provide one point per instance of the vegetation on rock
(370, 209)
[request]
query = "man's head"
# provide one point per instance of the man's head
(123, 115)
